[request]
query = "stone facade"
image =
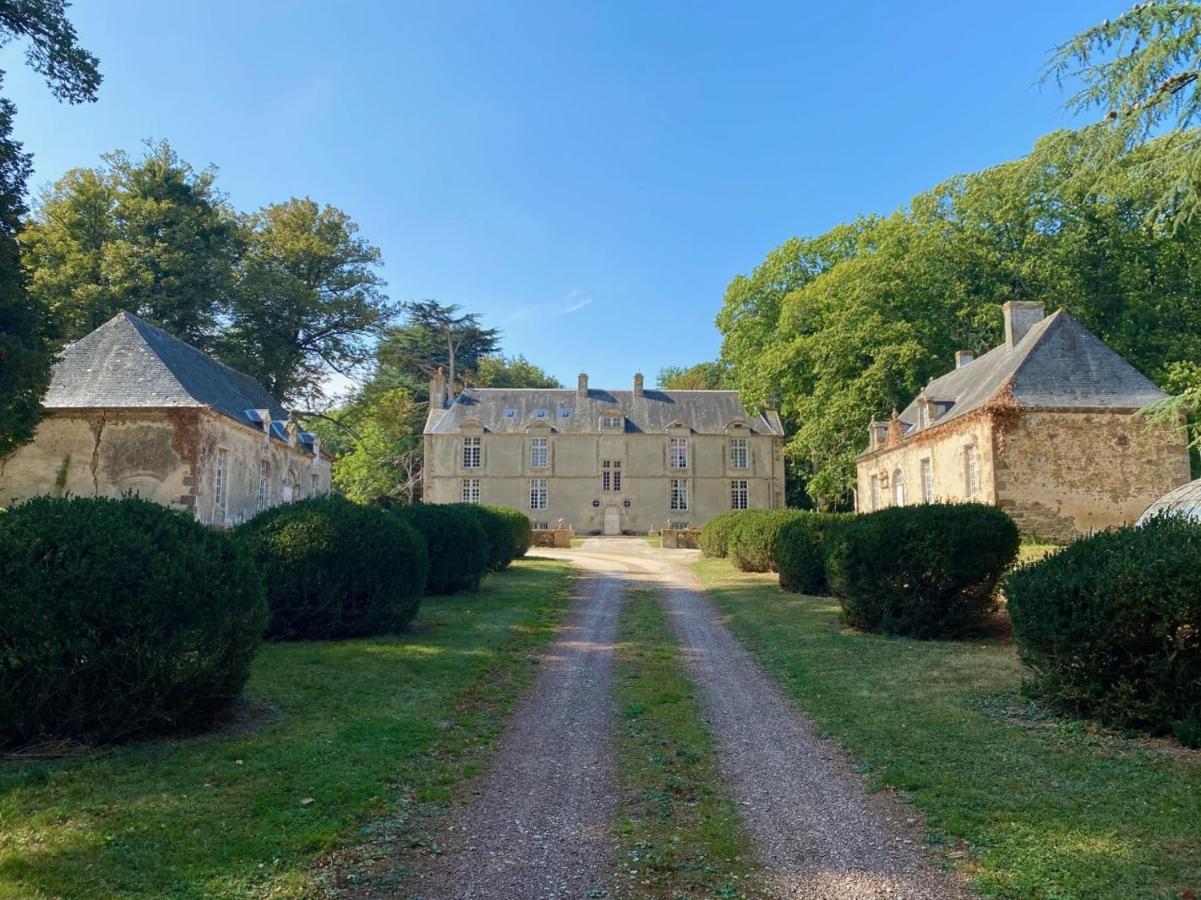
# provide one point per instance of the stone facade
(604, 462)
(188, 456)
(1047, 428)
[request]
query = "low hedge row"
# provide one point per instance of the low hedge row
(751, 539)
(715, 534)
(120, 618)
(800, 551)
(1111, 626)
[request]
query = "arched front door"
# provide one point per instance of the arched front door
(612, 520)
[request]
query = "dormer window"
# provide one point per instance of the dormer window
(565, 413)
(510, 412)
(613, 423)
(540, 414)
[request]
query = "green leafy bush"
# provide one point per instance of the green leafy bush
(120, 618)
(1111, 625)
(924, 571)
(498, 532)
(337, 570)
(751, 543)
(456, 545)
(520, 528)
(716, 533)
(801, 552)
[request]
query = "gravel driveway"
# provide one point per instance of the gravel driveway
(817, 831)
(540, 826)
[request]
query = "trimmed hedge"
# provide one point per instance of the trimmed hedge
(801, 552)
(923, 571)
(337, 570)
(497, 532)
(520, 529)
(1111, 626)
(716, 533)
(120, 618)
(456, 545)
(751, 542)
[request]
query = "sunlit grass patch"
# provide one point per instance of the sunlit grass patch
(363, 729)
(681, 833)
(1047, 806)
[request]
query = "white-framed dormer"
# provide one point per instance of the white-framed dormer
(611, 420)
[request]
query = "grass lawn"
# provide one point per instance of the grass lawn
(1031, 805)
(357, 726)
(681, 833)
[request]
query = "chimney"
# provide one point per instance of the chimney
(963, 357)
(1020, 316)
(877, 433)
(438, 390)
(581, 391)
(638, 380)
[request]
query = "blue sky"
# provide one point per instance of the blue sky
(588, 176)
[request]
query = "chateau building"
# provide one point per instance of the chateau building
(602, 461)
(132, 409)
(1044, 426)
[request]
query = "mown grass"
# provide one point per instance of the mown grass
(681, 834)
(1048, 807)
(364, 730)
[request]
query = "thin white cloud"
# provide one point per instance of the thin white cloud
(578, 305)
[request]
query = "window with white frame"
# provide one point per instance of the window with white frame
(472, 453)
(220, 478)
(539, 452)
(875, 493)
(678, 452)
(613, 422)
(739, 494)
(264, 484)
(679, 493)
(739, 458)
(898, 488)
(471, 490)
(617, 476)
(971, 471)
(611, 475)
(539, 494)
(927, 481)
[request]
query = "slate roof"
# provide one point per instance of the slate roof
(128, 363)
(705, 412)
(1058, 364)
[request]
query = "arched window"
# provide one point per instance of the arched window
(898, 488)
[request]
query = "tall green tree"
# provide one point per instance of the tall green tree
(153, 237)
(705, 376)
(500, 371)
(73, 75)
(436, 336)
(309, 300)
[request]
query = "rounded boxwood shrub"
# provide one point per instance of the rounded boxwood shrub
(337, 570)
(923, 571)
(751, 543)
(1111, 625)
(520, 528)
(497, 531)
(801, 552)
(120, 618)
(716, 533)
(455, 543)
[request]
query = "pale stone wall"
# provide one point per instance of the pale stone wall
(1059, 474)
(946, 448)
(166, 456)
(1065, 474)
(574, 476)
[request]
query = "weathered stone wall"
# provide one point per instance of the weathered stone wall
(167, 456)
(1064, 474)
(574, 477)
(945, 446)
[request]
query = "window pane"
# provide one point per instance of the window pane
(471, 453)
(739, 494)
(739, 457)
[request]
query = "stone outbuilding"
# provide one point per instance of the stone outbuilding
(603, 461)
(1045, 426)
(132, 409)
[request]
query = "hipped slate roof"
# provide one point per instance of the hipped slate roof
(1058, 364)
(704, 412)
(128, 363)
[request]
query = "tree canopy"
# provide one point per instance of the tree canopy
(848, 325)
(705, 376)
